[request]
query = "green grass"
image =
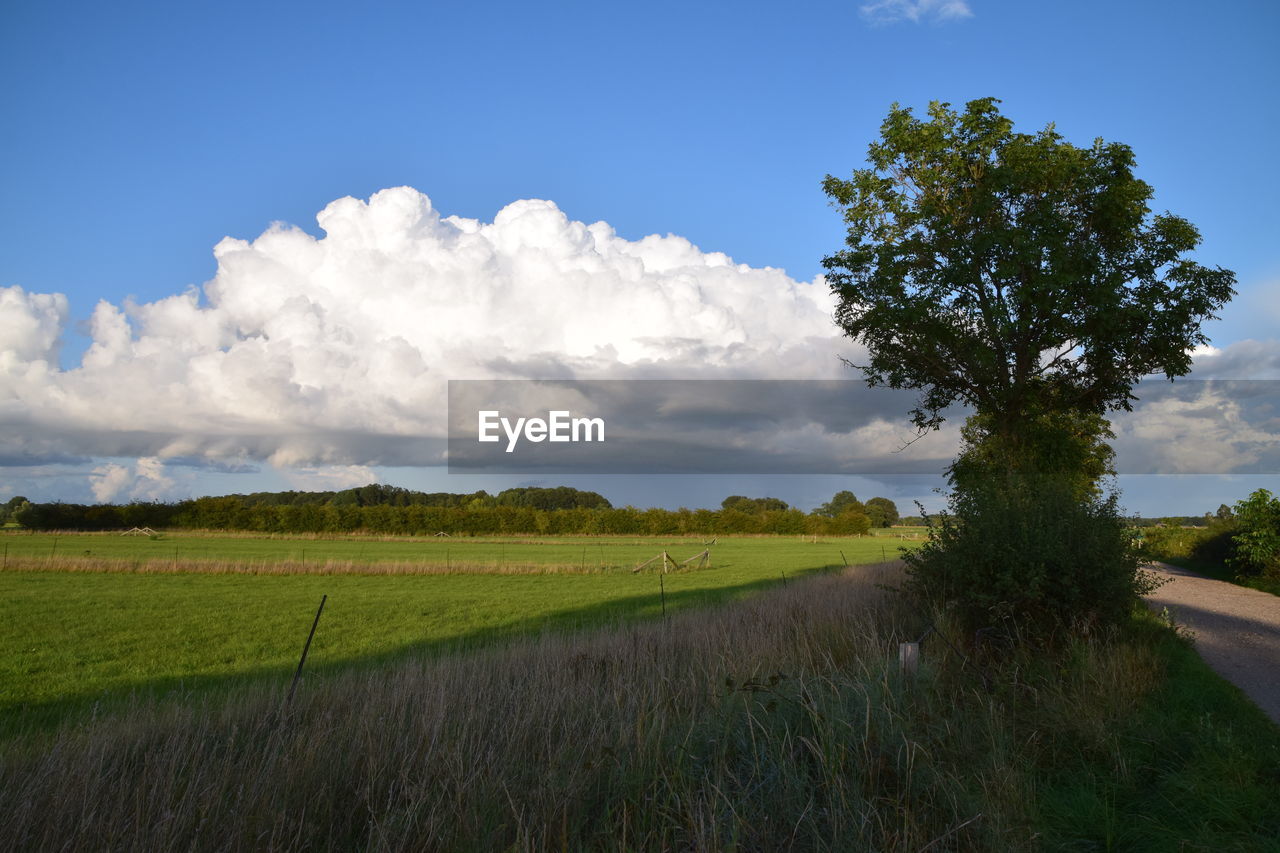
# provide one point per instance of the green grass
(775, 722)
(1193, 765)
(69, 638)
(589, 552)
(1217, 571)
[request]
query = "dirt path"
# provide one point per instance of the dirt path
(1237, 630)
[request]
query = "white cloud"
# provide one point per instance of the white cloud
(109, 480)
(145, 480)
(30, 324)
(335, 351)
(1247, 359)
(332, 478)
(1199, 428)
(893, 11)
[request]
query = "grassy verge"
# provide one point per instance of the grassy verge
(1217, 571)
(771, 723)
(1191, 765)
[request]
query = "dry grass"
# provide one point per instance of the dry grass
(778, 723)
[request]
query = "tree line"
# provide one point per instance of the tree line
(389, 510)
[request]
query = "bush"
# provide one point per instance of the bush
(1029, 555)
(1257, 539)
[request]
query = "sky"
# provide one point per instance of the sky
(243, 247)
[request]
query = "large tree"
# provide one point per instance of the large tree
(1013, 272)
(882, 512)
(1027, 278)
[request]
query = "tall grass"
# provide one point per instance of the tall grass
(776, 723)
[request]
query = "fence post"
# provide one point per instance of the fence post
(298, 674)
(908, 659)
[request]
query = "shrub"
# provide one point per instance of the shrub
(1029, 555)
(1257, 538)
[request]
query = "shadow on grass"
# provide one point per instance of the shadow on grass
(29, 719)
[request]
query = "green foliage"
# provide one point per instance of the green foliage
(1069, 446)
(842, 501)
(1257, 536)
(882, 512)
(10, 507)
(1013, 272)
(753, 505)
(1027, 555)
(851, 522)
(846, 511)
(1175, 541)
(557, 497)
(531, 511)
(1028, 279)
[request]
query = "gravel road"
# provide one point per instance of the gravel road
(1237, 630)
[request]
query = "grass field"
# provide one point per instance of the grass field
(775, 722)
(240, 552)
(89, 618)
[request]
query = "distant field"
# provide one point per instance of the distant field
(188, 611)
(241, 552)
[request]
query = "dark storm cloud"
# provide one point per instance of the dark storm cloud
(833, 427)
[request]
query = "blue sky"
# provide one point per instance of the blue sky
(137, 136)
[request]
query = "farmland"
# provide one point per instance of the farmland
(529, 694)
(92, 617)
(777, 721)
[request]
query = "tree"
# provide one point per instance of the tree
(1257, 535)
(842, 501)
(1013, 272)
(1028, 279)
(851, 522)
(9, 509)
(882, 512)
(742, 503)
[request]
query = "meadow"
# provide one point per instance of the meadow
(87, 619)
(537, 694)
(776, 721)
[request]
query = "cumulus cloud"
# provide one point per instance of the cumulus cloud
(30, 324)
(310, 352)
(1201, 427)
(1248, 359)
(143, 480)
(893, 11)
(325, 356)
(331, 479)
